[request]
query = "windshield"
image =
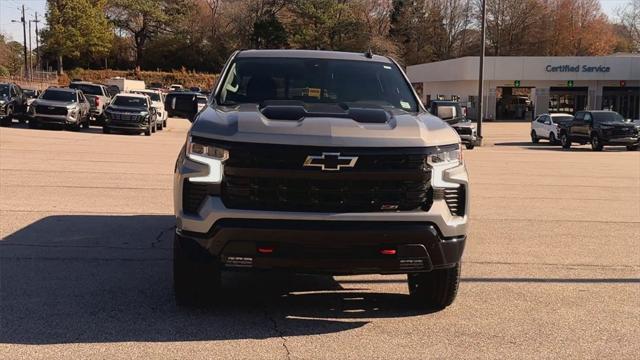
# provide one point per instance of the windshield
(153, 95)
(87, 89)
(607, 117)
(129, 101)
(4, 90)
(254, 80)
(57, 95)
(561, 118)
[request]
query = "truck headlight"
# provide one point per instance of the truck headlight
(447, 158)
(210, 155)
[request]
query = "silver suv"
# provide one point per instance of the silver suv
(318, 162)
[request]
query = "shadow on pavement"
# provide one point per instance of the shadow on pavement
(552, 147)
(518, 280)
(88, 279)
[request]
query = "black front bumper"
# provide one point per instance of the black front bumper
(126, 125)
(331, 247)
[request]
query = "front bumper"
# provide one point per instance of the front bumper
(54, 119)
(622, 141)
(126, 125)
(469, 139)
(354, 247)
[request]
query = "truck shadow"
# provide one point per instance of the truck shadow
(555, 147)
(88, 279)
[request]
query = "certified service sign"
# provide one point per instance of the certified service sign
(577, 68)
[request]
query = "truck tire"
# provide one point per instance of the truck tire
(632, 147)
(552, 139)
(565, 141)
(596, 144)
(106, 130)
(436, 289)
(534, 137)
(159, 126)
(195, 281)
(8, 119)
(469, 146)
(147, 132)
(33, 124)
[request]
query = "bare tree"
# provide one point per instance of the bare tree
(630, 20)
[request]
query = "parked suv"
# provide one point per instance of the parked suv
(98, 96)
(13, 103)
(61, 106)
(600, 128)
(451, 112)
(319, 162)
(130, 112)
(157, 100)
(547, 126)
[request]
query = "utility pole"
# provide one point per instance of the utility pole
(24, 34)
(36, 21)
(30, 62)
(481, 70)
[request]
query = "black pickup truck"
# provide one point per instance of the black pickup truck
(600, 128)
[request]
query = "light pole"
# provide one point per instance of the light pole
(483, 27)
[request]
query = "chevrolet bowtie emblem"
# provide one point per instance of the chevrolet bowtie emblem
(331, 161)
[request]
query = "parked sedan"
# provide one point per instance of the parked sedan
(63, 106)
(547, 126)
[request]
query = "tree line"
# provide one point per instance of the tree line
(200, 34)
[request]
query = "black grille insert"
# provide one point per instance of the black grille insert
(51, 110)
(272, 177)
(193, 194)
(455, 199)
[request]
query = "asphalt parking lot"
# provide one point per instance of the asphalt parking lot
(552, 267)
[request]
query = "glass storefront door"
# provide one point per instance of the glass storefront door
(567, 100)
(625, 101)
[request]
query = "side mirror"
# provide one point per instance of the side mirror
(182, 105)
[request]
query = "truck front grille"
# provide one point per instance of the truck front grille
(51, 110)
(125, 117)
(272, 177)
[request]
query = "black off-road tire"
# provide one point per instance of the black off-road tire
(8, 119)
(565, 141)
(534, 137)
(436, 289)
(195, 281)
(74, 127)
(596, 144)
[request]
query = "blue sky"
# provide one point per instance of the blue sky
(9, 10)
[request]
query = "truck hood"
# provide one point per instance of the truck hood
(617, 124)
(53, 103)
(130, 109)
(245, 123)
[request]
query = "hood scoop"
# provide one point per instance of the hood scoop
(296, 110)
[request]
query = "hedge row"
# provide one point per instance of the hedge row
(185, 78)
